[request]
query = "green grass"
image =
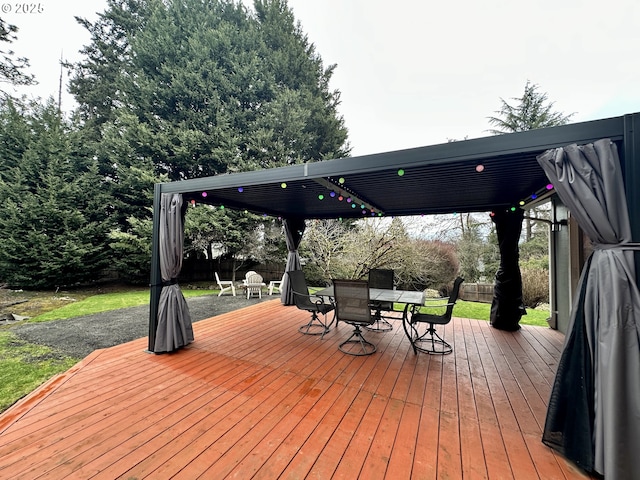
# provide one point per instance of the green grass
(24, 366)
(482, 311)
(106, 302)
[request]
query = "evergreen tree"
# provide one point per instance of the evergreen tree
(189, 88)
(54, 220)
(208, 87)
(12, 68)
(533, 110)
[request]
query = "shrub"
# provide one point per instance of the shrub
(535, 286)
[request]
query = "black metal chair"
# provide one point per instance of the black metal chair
(316, 305)
(381, 278)
(429, 341)
(353, 307)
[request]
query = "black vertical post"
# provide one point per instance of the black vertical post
(630, 157)
(156, 275)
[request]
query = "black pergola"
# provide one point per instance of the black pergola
(593, 415)
(498, 173)
(478, 175)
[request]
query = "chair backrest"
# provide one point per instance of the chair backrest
(254, 278)
(381, 278)
(217, 278)
(352, 301)
(453, 296)
(300, 289)
(249, 273)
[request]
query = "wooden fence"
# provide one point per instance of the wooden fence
(477, 292)
(203, 270)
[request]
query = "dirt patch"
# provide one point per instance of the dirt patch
(30, 303)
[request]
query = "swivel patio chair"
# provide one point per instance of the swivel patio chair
(311, 303)
(353, 307)
(420, 327)
(381, 278)
(225, 285)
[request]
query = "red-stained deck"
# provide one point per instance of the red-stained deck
(253, 398)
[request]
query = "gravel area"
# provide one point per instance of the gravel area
(78, 337)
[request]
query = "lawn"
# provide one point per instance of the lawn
(24, 366)
(106, 302)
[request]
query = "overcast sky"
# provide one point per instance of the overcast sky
(415, 73)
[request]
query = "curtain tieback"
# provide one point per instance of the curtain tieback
(617, 246)
(167, 283)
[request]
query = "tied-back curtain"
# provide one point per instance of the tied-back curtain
(507, 305)
(293, 230)
(174, 320)
(594, 410)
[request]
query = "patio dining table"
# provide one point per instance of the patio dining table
(408, 297)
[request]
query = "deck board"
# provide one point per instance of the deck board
(251, 397)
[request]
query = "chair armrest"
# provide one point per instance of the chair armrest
(321, 300)
(314, 298)
(416, 308)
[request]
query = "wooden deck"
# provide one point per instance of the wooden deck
(253, 398)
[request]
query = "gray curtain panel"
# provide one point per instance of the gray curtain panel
(293, 230)
(174, 320)
(594, 410)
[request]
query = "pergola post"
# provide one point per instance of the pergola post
(156, 276)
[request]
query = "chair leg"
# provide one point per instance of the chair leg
(380, 324)
(430, 342)
(357, 345)
(315, 326)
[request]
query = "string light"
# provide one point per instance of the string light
(400, 172)
(283, 185)
(479, 168)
